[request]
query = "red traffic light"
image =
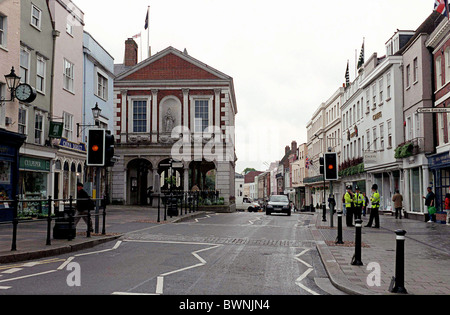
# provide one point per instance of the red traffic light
(95, 148)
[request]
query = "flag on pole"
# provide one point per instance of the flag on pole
(137, 35)
(441, 6)
(147, 18)
(347, 75)
(361, 57)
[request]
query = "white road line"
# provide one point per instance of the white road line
(12, 270)
(305, 274)
(303, 262)
(160, 278)
(28, 276)
(159, 285)
(129, 293)
(63, 265)
(5, 288)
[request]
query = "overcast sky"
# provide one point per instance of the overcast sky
(286, 57)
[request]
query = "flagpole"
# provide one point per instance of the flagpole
(148, 32)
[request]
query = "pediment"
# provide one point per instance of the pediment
(171, 64)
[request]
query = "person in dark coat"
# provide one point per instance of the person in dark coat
(84, 203)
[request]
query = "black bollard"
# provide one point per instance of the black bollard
(356, 261)
(339, 236)
(324, 212)
(400, 264)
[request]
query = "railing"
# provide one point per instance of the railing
(68, 214)
(171, 201)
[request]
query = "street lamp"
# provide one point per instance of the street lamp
(96, 111)
(12, 81)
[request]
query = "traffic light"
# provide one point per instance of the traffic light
(331, 167)
(322, 165)
(109, 150)
(96, 147)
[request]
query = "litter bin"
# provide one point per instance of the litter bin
(172, 206)
(64, 224)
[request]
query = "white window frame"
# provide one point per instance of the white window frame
(2, 105)
(69, 78)
(3, 31)
(39, 140)
(381, 87)
(382, 136)
(23, 124)
(41, 77)
(68, 126)
(389, 130)
(25, 77)
(438, 72)
(447, 64)
(98, 75)
(388, 86)
(193, 100)
(38, 18)
(147, 114)
(415, 70)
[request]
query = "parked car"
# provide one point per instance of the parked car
(278, 204)
(248, 204)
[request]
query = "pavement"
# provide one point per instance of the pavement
(426, 259)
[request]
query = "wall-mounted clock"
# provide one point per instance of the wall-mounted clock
(26, 93)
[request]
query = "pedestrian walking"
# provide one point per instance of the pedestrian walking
(398, 204)
(375, 201)
(84, 204)
(366, 202)
(359, 202)
(347, 200)
(430, 203)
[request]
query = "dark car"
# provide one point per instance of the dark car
(278, 204)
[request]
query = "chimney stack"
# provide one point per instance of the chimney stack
(131, 53)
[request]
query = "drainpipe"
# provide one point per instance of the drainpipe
(55, 34)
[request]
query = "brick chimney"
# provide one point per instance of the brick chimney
(131, 53)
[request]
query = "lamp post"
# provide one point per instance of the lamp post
(96, 111)
(12, 81)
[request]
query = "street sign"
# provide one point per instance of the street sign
(433, 110)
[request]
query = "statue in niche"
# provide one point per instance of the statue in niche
(169, 121)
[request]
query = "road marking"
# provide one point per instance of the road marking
(130, 293)
(301, 254)
(159, 285)
(12, 270)
(160, 278)
(28, 276)
(5, 288)
(299, 280)
(68, 260)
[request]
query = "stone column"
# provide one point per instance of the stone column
(186, 108)
(154, 116)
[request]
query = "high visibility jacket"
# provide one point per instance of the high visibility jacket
(375, 200)
(348, 200)
(359, 200)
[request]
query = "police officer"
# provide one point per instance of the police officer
(348, 204)
(359, 201)
(375, 201)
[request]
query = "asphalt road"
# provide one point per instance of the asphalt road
(219, 254)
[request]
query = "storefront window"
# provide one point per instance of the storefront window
(33, 186)
(416, 190)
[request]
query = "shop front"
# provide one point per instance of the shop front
(34, 181)
(439, 164)
(9, 172)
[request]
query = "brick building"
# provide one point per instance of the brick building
(172, 108)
